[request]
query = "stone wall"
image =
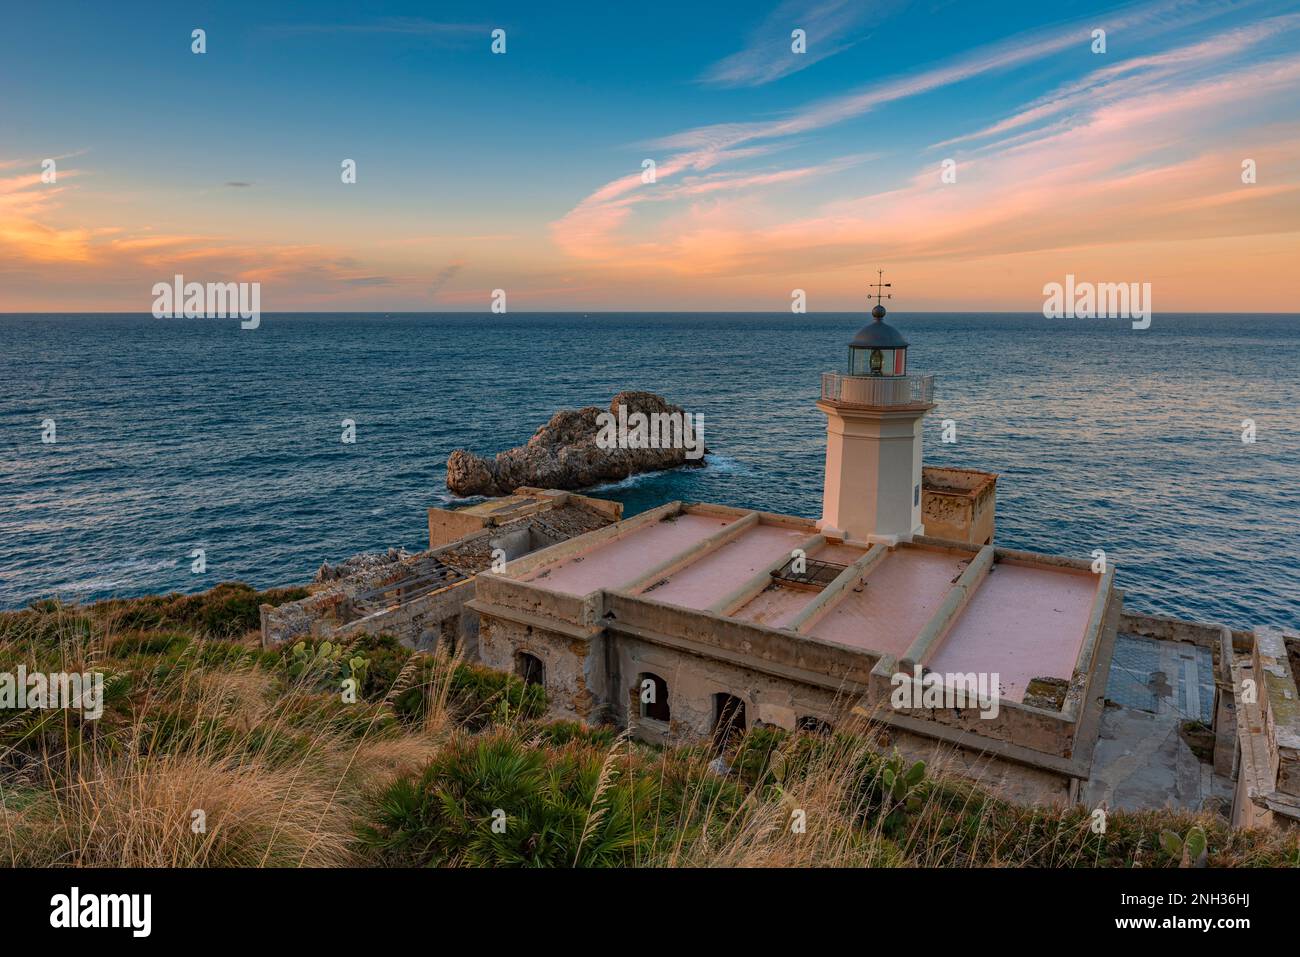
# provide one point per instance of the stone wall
(527, 523)
(693, 681)
(958, 505)
(574, 680)
(420, 623)
(1010, 780)
(1267, 758)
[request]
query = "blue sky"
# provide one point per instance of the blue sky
(776, 170)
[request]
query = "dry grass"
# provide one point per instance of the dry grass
(143, 813)
(225, 765)
(287, 775)
(815, 803)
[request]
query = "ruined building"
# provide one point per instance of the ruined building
(420, 598)
(691, 622)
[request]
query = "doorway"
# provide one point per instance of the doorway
(728, 720)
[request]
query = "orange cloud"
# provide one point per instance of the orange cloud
(1138, 166)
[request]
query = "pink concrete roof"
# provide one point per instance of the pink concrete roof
(704, 581)
(839, 553)
(903, 590)
(624, 559)
(775, 606)
(1022, 623)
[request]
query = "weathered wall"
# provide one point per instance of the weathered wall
(1012, 781)
(574, 668)
(693, 681)
(1273, 669)
(418, 624)
(315, 616)
(597, 679)
(949, 517)
(764, 650)
(447, 526)
(958, 505)
(1033, 728)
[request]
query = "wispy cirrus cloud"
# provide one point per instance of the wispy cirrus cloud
(585, 230)
(1124, 157)
(829, 26)
(1137, 22)
(1124, 78)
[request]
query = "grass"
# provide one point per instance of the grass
(214, 752)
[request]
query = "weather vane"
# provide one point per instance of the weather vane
(880, 287)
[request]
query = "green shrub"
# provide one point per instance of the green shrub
(480, 695)
(385, 658)
(226, 610)
(755, 750)
(150, 643)
(493, 801)
(555, 734)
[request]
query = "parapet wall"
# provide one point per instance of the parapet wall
(958, 505)
(802, 658)
(580, 612)
(1268, 734)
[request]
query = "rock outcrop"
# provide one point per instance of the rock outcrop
(362, 561)
(564, 453)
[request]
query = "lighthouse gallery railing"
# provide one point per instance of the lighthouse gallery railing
(878, 390)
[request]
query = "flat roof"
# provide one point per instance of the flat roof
(727, 567)
(774, 606)
(499, 506)
(1027, 616)
(1023, 623)
(777, 604)
(964, 482)
(902, 591)
(621, 561)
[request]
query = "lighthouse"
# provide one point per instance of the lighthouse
(874, 412)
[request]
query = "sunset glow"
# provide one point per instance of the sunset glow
(772, 173)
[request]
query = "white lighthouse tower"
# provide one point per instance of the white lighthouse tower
(873, 437)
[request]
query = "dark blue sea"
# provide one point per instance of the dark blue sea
(173, 435)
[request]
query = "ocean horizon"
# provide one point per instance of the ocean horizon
(180, 434)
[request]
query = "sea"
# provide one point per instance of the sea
(128, 443)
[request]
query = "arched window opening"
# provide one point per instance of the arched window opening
(813, 725)
(652, 692)
(530, 668)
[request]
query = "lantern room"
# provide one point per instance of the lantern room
(878, 349)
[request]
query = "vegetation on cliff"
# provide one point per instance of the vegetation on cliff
(214, 752)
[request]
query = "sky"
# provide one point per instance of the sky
(974, 151)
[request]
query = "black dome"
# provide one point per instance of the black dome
(878, 335)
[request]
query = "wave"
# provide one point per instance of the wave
(109, 577)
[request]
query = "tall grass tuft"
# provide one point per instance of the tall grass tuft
(213, 752)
